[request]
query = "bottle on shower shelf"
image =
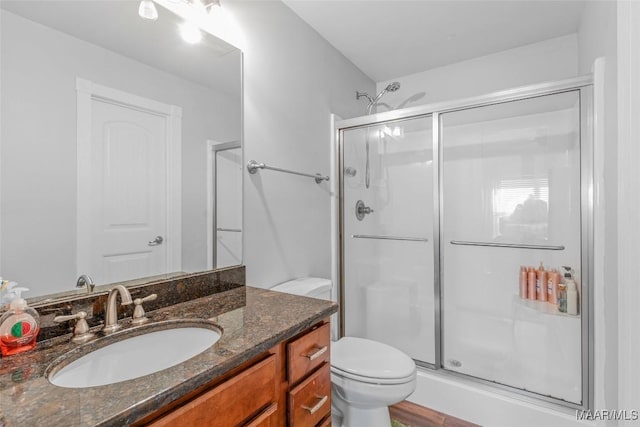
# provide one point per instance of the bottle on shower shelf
(572, 291)
(531, 283)
(541, 283)
(562, 298)
(552, 286)
(523, 282)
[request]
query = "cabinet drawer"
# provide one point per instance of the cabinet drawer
(308, 352)
(326, 422)
(231, 403)
(310, 401)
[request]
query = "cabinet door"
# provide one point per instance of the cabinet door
(231, 403)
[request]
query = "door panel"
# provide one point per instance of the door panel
(128, 179)
(228, 207)
(388, 254)
(511, 177)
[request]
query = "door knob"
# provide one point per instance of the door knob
(157, 241)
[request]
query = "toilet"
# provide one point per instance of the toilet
(366, 376)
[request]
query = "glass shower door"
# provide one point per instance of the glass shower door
(511, 198)
(387, 235)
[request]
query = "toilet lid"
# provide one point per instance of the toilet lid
(370, 359)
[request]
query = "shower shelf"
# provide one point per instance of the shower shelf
(507, 245)
(541, 307)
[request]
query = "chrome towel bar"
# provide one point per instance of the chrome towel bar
(508, 245)
(253, 166)
(233, 230)
(408, 239)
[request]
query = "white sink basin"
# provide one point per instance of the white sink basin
(135, 357)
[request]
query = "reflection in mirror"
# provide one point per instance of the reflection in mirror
(107, 122)
(227, 164)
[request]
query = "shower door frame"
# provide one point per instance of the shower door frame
(584, 86)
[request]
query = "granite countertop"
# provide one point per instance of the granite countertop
(253, 320)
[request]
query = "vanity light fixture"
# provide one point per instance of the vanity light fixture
(147, 10)
(190, 32)
(194, 19)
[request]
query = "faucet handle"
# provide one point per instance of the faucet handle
(138, 312)
(81, 331)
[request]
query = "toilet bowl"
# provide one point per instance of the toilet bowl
(366, 376)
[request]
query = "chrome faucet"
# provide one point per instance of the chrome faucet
(85, 281)
(111, 317)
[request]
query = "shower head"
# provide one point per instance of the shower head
(392, 87)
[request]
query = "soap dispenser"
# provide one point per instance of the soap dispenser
(572, 292)
(19, 325)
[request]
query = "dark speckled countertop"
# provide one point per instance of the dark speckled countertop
(253, 320)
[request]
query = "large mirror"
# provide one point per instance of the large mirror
(120, 145)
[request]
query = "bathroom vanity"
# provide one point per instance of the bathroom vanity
(269, 368)
(294, 374)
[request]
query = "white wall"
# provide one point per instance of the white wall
(548, 60)
(39, 68)
(597, 38)
(628, 204)
(293, 80)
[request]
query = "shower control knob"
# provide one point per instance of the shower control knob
(362, 210)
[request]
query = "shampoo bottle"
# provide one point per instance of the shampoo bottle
(523, 282)
(562, 298)
(18, 326)
(531, 283)
(552, 288)
(541, 283)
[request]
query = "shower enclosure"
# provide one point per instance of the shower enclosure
(460, 196)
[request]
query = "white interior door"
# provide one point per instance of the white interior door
(129, 201)
(129, 184)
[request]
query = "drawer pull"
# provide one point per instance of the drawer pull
(313, 409)
(319, 352)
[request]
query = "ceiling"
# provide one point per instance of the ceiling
(393, 38)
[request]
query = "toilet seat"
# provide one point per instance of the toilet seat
(372, 380)
(370, 361)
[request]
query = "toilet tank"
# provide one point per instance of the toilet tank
(314, 287)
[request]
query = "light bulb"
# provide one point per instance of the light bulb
(147, 10)
(190, 32)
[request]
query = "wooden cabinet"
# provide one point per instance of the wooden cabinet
(288, 385)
